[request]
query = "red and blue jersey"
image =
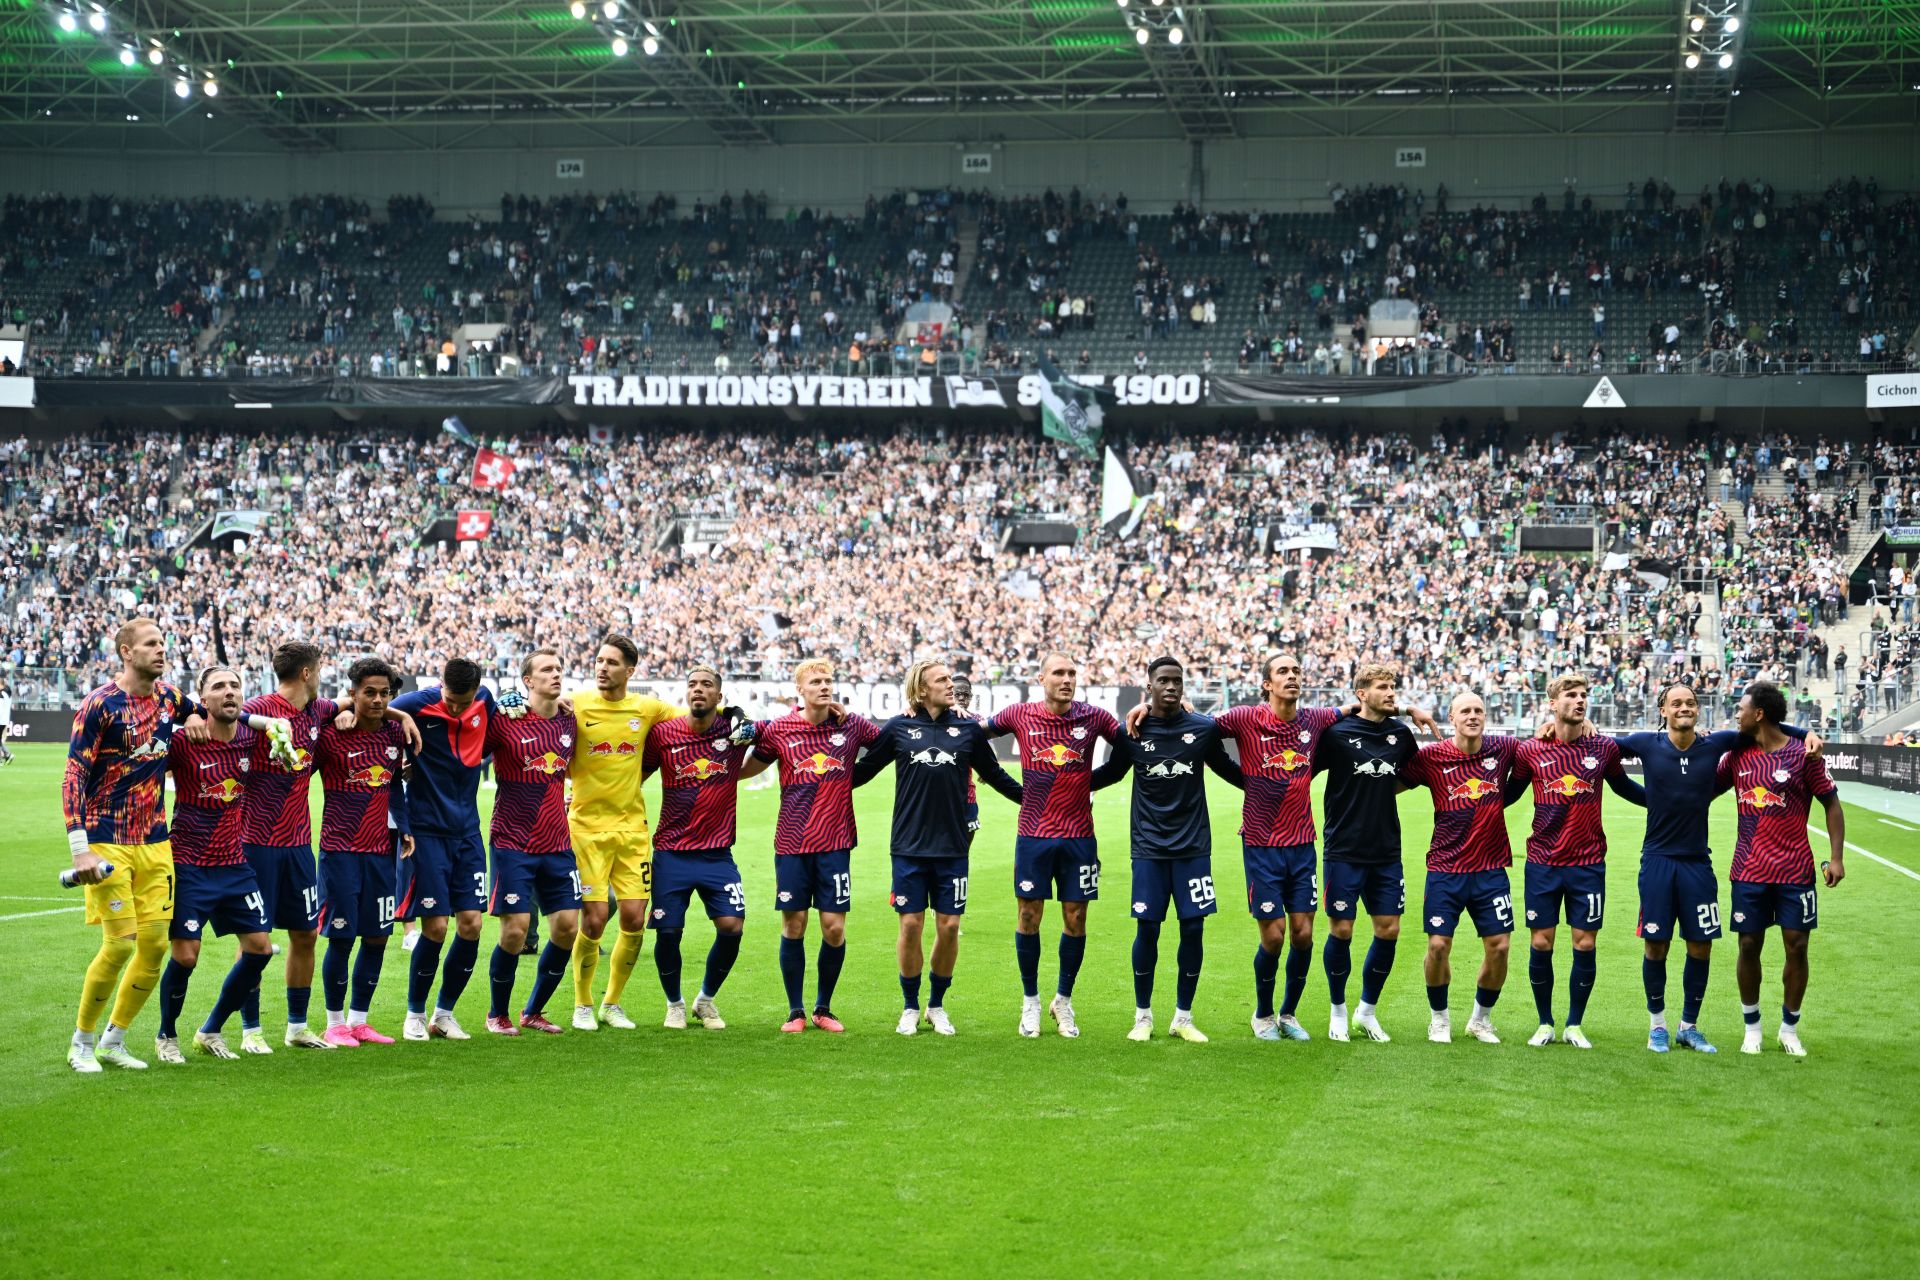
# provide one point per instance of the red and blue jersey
(360, 774)
(1566, 778)
(1277, 758)
(115, 785)
(816, 779)
(209, 797)
(531, 756)
(1774, 791)
(699, 784)
(1056, 765)
(443, 791)
(1469, 809)
(277, 812)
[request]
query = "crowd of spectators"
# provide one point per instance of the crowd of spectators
(878, 547)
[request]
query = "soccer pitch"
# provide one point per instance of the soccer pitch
(746, 1151)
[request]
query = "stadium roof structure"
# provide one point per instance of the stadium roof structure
(326, 74)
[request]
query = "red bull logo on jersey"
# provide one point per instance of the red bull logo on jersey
(1568, 786)
(1286, 759)
(547, 762)
(702, 769)
(600, 749)
(1760, 798)
(374, 775)
(302, 760)
(820, 764)
(225, 791)
(1059, 755)
(1471, 789)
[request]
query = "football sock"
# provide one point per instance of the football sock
(425, 962)
(1540, 975)
(553, 969)
(666, 958)
(626, 954)
(500, 971)
(173, 995)
(1653, 976)
(720, 957)
(830, 960)
(250, 1011)
(1336, 961)
(1484, 998)
(1026, 949)
(1146, 954)
(586, 958)
(1072, 951)
(1190, 956)
(1299, 960)
(1750, 1014)
(793, 971)
(298, 998)
(1266, 971)
(243, 977)
(1789, 1017)
(366, 977)
(462, 955)
(910, 990)
(142, 976)
(1373, 978)
(1437, 997)
(333, 973)
(1693, 988)
(940, 984)
(1580, 985)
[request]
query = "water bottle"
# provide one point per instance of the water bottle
(70, 879)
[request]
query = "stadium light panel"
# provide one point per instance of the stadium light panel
(181, 88)
(1733, 25)
(1697, 24)
(1176, 34)
(1726, 60)
(579, 9)
(97, 20)
(156, 55)
(649, 46)
(1693, 60)
(619, 46)
(67, 21)
(611, 8)
(127, 57)
(211, 88)
(1141, 35)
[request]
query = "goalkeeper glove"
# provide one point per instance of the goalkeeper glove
(745, 731)
(513, 704)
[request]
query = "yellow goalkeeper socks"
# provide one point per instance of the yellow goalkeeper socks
(103, 975)
(626, 954)
(143, 975)
(586, 958)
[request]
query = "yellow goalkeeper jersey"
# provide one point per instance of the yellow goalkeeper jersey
(606, 759)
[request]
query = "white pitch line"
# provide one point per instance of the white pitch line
(1903, 826)
(1909, 874)
(61, 911)
(14, 897)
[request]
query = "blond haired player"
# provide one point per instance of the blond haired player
(608, 819)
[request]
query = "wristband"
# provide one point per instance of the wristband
(77, 842)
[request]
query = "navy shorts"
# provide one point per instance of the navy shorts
(1188, 881)
(1383, 887)
(1487, 896)
(224, 899)
(1281, 879)
(940, 881)
(1757, 907)
(289, 881)
(1041, 865)
(679, 874)
(1583, 890)
(521, 879)
(1682, 891)
(814, 881)
(446, 875)
(356, 894)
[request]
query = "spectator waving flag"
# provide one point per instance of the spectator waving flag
(491, 470)
(472, 526)
(1068, 411)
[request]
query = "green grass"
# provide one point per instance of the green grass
(750, 1152)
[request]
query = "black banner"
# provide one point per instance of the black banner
(460, 393)
(1226, 389)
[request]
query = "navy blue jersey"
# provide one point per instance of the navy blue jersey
(936, 758)
(1362, 760)
(1169, 790)
(1680, 787)
(443, 792)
